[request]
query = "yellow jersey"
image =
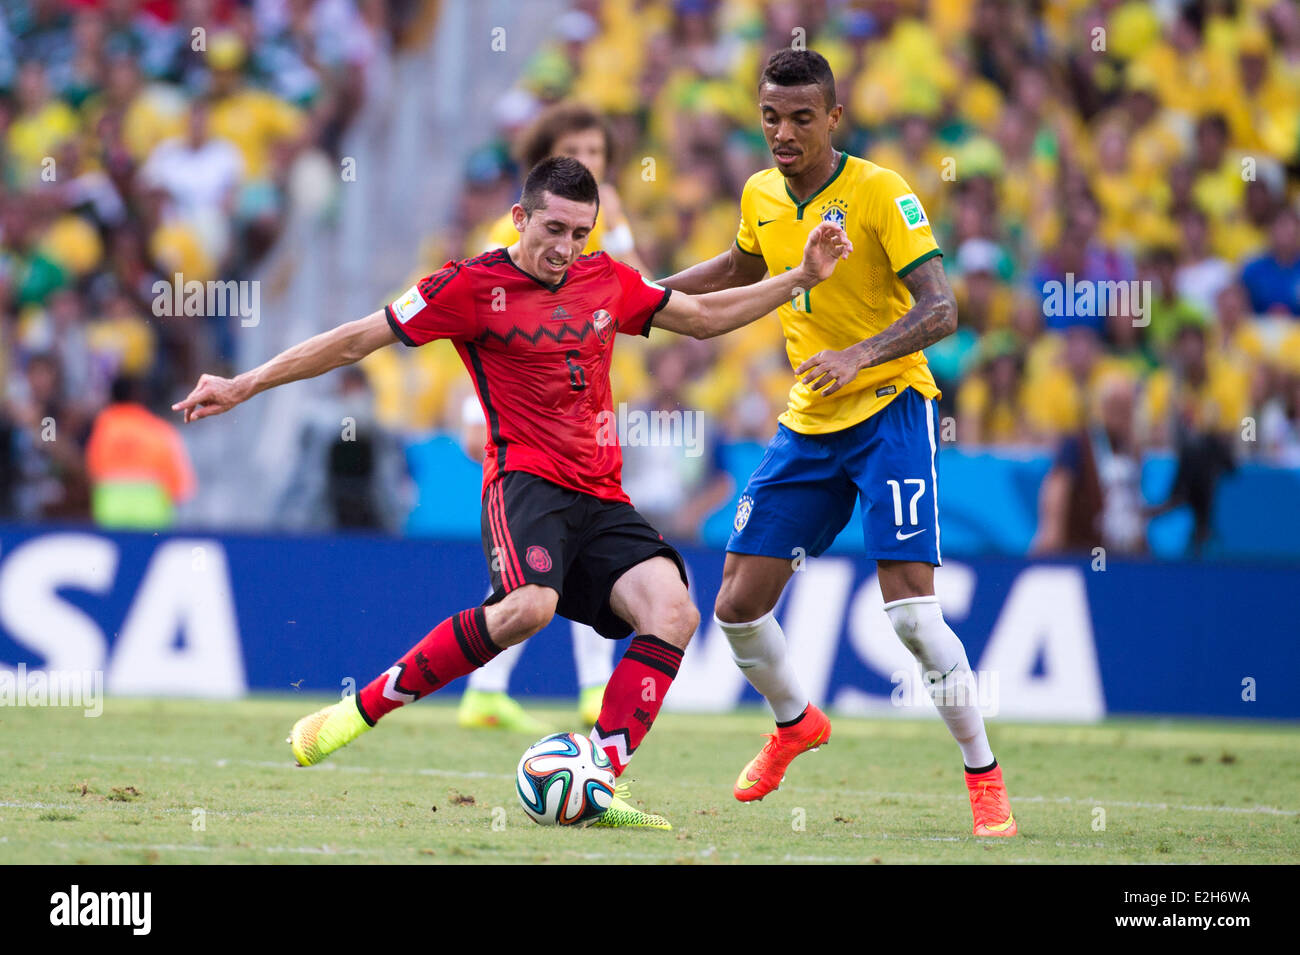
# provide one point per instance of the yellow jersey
(504, 233)
(891, 236)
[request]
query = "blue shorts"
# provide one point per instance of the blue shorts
(804, 489)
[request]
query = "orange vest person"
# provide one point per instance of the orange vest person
(139, 468)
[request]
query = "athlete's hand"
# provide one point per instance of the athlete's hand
(826, 245)
(831, 368)
(211, 396)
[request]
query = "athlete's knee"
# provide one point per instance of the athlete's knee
(521, 614)
(677, 620)
(735, 605)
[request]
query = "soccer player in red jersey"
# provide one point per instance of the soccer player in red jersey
(535, 324)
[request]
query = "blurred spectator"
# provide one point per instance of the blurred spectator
(1194, 393)
(349, 472)
(60, 329)
(1091, 497)
(983, 304)
(48, 435)
(41, 125)
(1196, 405)
(268, 132)
(1201, 275)
(671, 466)
(137, 463)
(1080, 256)
(991, 402)
(1273, 279)
(572, 129)
(200, 176)
(1167, 310)
(1279, 420)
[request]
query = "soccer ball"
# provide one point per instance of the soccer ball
(563, 780)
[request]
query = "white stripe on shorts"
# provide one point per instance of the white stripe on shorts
(934, 477)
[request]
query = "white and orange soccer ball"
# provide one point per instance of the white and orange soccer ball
(563, 780)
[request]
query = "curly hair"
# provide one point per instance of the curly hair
(539, 139)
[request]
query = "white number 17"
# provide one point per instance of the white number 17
(898, 499)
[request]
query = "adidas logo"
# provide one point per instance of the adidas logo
(559, 315)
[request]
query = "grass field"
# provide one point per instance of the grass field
(125, 788)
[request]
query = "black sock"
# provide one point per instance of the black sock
(987, 769)
(788, 723)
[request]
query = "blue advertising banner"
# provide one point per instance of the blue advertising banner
(219, 615)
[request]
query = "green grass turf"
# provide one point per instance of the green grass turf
(122, 788)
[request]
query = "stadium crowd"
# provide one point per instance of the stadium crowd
(1088, 142)
(141, 139)
(1064, 142)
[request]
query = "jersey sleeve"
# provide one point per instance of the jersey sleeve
(440, 305)
(640, 299)
(900, 224)
(747, 234)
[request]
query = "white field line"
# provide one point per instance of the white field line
(708, 854)
(871, 793)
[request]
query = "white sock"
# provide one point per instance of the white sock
(759, 649)
(919, 623)
(495, 677)
(593, 656)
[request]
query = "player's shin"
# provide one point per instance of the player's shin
(457, 646)
(919, 623)
(633, 696)
(759, 649)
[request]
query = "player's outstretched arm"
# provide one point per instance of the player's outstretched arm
(321, 353)
(715, 313)
(731, 269)
(932, 316)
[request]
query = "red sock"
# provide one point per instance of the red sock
(457, 646)
(633, 696)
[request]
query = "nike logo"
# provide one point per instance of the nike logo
(763, 222)
(901, 536)
(1001, 826)
(744, 782)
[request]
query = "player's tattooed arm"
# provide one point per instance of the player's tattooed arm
(339, 346)
(933, 316)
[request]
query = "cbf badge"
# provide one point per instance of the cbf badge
(835, 212)
(743, 510)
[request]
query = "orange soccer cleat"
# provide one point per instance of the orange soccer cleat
(989, 804)
(766, 770)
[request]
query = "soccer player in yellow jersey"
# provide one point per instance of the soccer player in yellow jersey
(860, 422)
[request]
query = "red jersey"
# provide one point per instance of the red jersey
(539, 356)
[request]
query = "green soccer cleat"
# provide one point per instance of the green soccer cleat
(590, 701)
(316, 736)
(482, 710)
(623, 815)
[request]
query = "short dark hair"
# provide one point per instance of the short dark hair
(538, 141)
(800, 68)
(561, 176)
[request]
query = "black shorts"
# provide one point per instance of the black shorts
(536, 532)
